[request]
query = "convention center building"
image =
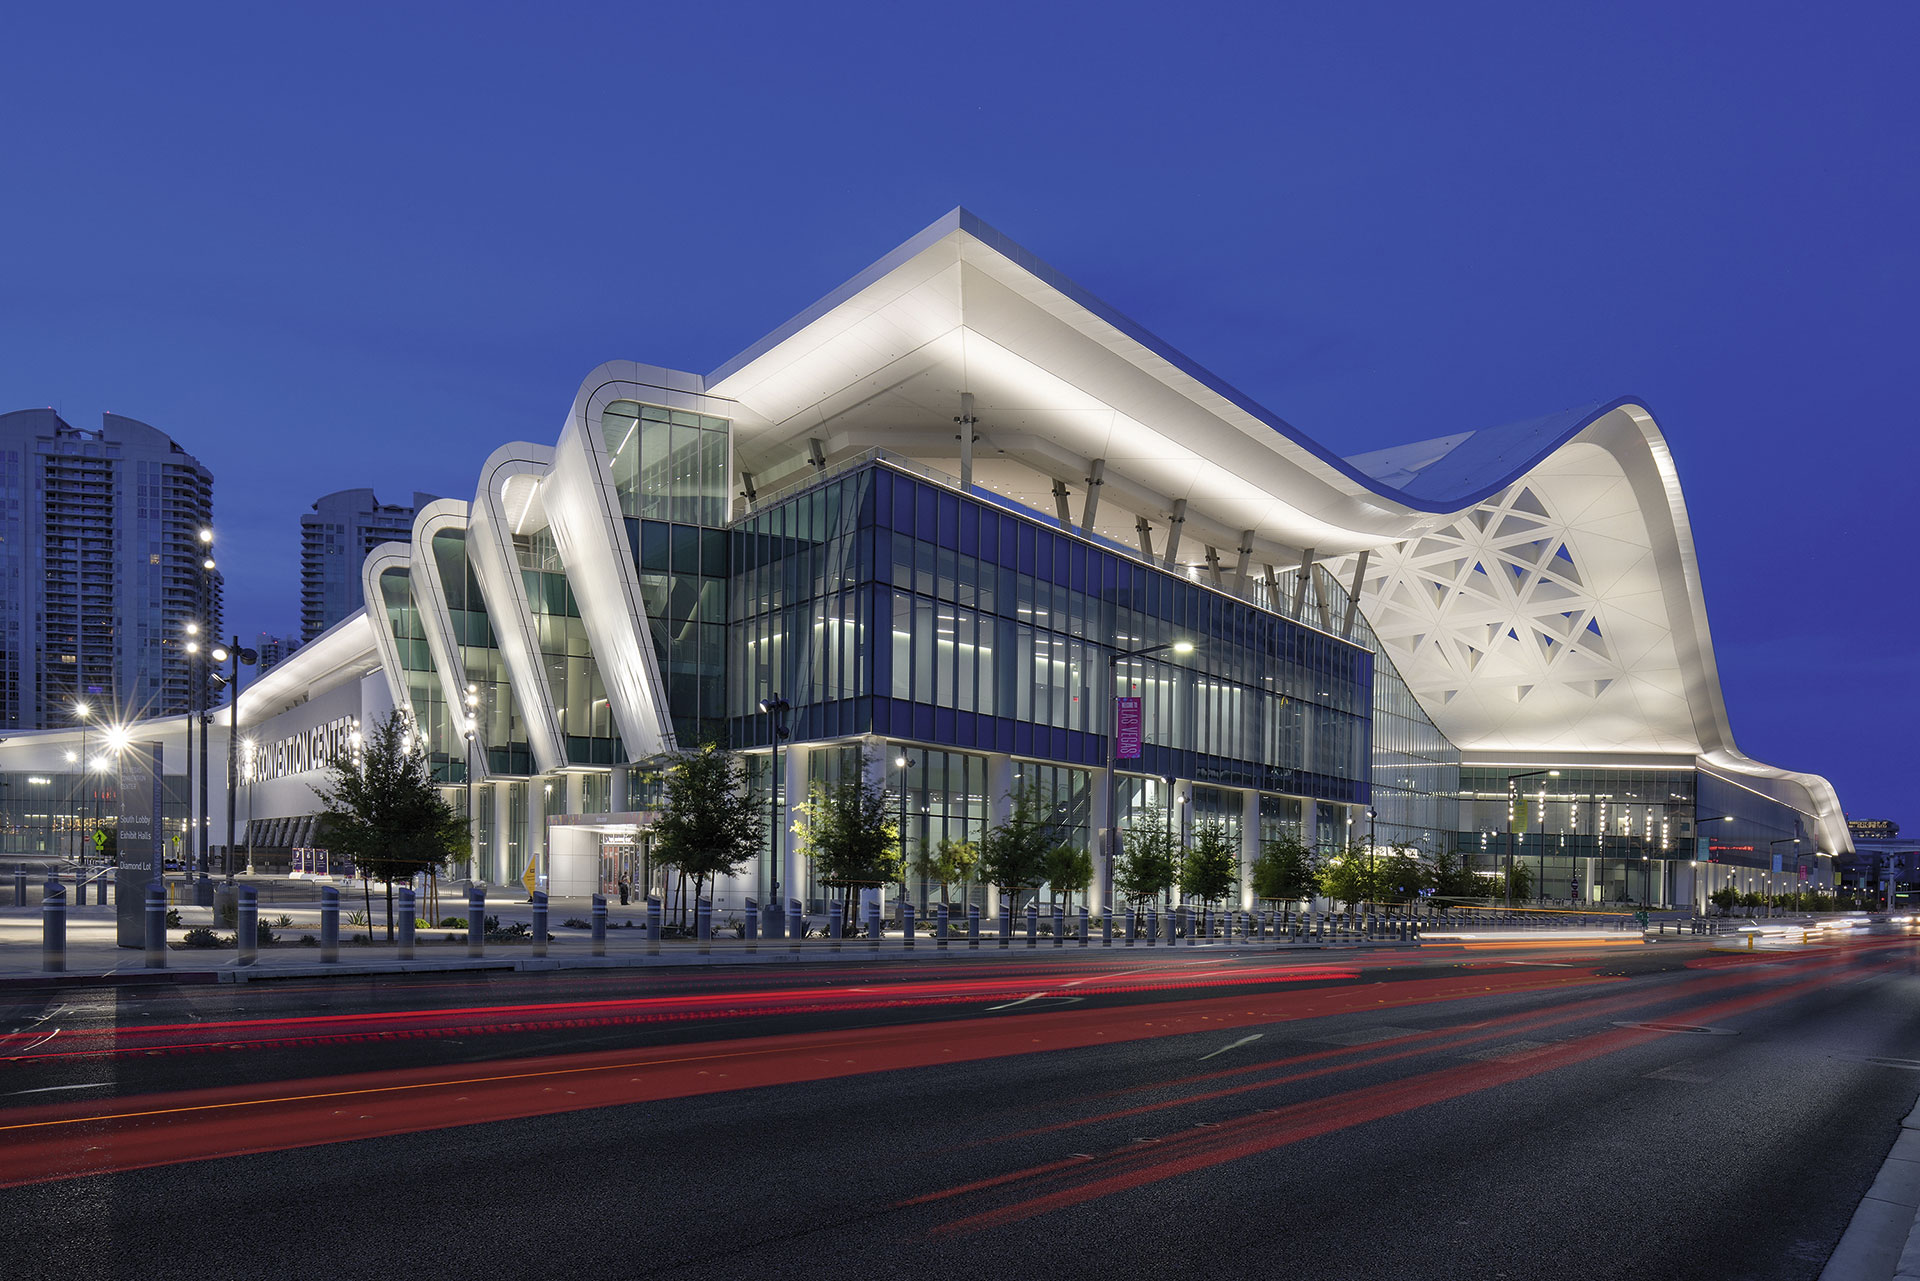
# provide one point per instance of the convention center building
(936, 527)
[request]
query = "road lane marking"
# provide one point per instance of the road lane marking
(49, 1089)
(1010, 1004)
(1245, 1040)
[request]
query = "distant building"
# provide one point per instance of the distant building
(1873, 829)
(100, 558)
(272, 649)
(335, 538)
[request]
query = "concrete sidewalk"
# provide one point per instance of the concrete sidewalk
(93, 956)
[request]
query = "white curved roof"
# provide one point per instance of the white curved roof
(1536, 585)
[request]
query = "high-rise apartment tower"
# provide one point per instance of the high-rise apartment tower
(100, 569)
(335, 538)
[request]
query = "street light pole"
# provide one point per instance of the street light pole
(1513, 837)
(1112, 852)
(82, 709)
(905, 766)
(204, 892)
(473, 826)
(776, 709)
(239, 656)
(1373, 816)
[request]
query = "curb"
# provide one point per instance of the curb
(1882, 1241)
(230, 973)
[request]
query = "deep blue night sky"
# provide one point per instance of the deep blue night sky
(340, 245)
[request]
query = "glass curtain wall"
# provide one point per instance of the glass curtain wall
(502, 729)
(426, 703)
(995, 632)
(573, 677)
(669, 470)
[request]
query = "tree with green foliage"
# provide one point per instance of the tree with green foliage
(1211, 866)
(709, 826)
(1284, 871)
(1345, 878)
(947, 864)
(1014, 854)
(1069, 871)
(847, 832)
(1149, 862)
(1452, 878)
(1400, 876)
(383, 811)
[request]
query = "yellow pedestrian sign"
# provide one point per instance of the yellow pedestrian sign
(531, 881)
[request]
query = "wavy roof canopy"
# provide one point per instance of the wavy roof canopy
(1536, 583)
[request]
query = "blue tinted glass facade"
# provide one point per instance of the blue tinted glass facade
(879, 602)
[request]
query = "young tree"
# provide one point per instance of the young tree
(709, 826)
(1149, 862)
(1453, 879)
(849, 836)
(384, 812)
(1014, 855)
(1283, 871)
(1069, 870)
(1212, 867)
(1401, 876)
(1344, 878)
(947, 864)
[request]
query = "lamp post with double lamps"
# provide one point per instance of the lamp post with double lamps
(473, 729)
(1114, 659)
(1513, 801)
(1373, 845)
(904, 764)
(776, 709)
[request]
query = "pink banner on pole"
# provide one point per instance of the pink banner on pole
(1128, 720)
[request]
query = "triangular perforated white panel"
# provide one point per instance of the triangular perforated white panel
(1535, 621)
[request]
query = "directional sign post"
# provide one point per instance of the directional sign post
(140, 841)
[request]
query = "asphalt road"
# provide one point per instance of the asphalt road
(1520, 1111)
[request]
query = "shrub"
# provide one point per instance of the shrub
(356, 917)
(280, 922)
(422, 923)
(453, 923)
(267, 938)
(173, 918)
(201, 936)
(308, 940)
(575, 923)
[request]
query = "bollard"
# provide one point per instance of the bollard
(599, 925)
(53, 927)
(329, 925)
(795, 926)
(539, 922)
(156, 926)
(1006, 923)
(836, 924)
(19, 887)
(752, 930)
(1206, 922)
(873, 924)
(940, 927)
(906, 925)
(1130, 930)
(1083, 924)
(476, 921)
(407, 911)
(973, 926)
(1059, 925)
(1033, 923)
(703, 925)
(246, 932)
(653, 926)
(1153, 926)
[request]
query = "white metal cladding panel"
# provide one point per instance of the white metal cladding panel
(490, 546)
